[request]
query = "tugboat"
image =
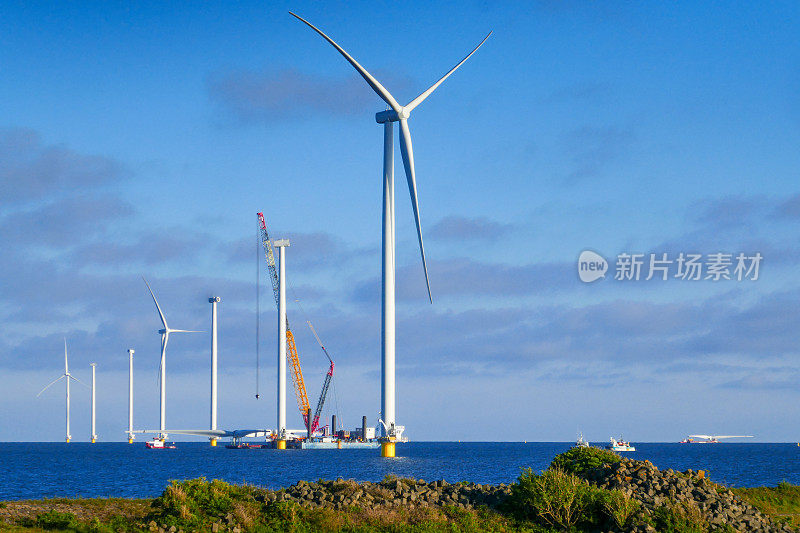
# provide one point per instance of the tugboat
(620, 446)
(158, 444)
(581, 442)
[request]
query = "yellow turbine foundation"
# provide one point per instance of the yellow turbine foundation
(213, 442)
(387, 449)
(130, 440)
(92, 441)
(281, 445)
(67, 441)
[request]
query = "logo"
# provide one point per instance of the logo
(591, 266)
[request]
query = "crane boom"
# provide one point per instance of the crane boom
(270, 255)
(321, 401)
(291, 352)
(325, 384)
(297, 376)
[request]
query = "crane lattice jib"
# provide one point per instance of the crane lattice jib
(297, 377)
(322, 396)
(273, 272)
(291, 348)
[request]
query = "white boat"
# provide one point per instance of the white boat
(581, 442)
(158, 444)
(620, 446)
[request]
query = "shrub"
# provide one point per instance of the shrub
(676, 517)
(59, 521)
(618, 507)
(555, 498)
(192, 501)
(580, 460)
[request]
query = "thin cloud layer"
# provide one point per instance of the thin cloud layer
(592, 149)
(458, 228)
(30, 169)
(258, 97)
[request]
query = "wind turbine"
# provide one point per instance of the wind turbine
(165, 331)
(397, 113)
(66, 376)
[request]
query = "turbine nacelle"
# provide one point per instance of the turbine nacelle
(390, 115)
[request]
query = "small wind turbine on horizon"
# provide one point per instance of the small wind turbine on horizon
(165, 331)
(397, 113)
(66, 376)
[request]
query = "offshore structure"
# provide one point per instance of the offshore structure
(397, 113)
(315, 436)
(312, 436)
(66, 376)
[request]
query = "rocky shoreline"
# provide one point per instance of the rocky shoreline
(692, 490)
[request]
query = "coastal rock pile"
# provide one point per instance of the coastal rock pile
(692, 491)
(583, 490)
(341, 494)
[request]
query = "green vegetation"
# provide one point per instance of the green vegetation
(782, 502)
(198, 504)
(581, 460)
(561, 500)
(677, 517)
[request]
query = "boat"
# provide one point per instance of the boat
(158, 444)
(711, 439)
(581, 442)
(245, 446)
(620, 445)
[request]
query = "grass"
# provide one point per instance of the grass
(782, 502)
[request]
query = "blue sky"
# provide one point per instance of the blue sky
(142, 139)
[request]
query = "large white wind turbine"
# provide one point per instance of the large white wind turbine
(165, 331)
(66, 376)
(397, 113)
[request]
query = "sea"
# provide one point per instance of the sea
(47, 470)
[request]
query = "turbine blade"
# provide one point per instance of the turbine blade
(50, 384)
(164, 341)
(418, 100)
(379, 89)
(66, 364)
(163, 319)
(185, 331)
(408, 162)
(73, 378)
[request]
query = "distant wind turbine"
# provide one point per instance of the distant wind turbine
(165, 331)
(397, 113)
(66, 376)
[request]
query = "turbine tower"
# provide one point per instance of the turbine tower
(214, 300)
(280, 443)
(398, 113)
(165, 331)
(130, 396)
(66, 376)
(94, 405)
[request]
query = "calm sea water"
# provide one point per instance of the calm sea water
(43, 470)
